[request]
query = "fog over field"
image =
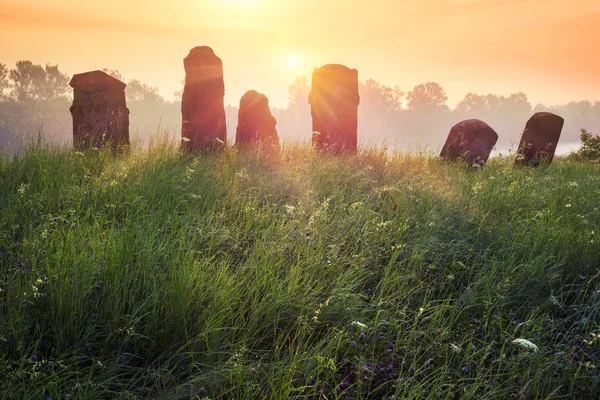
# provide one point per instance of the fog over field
(36, 98)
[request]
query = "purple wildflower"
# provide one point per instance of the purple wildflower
(345, 385)
(33, 358)
(97, 286)
(362, 336)
(575, 356)
(312, 381)
(427, 272)
(353, 343)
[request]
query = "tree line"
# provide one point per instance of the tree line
(36, 97)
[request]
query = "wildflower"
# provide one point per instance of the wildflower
(576, 357)
(359, 324)
(526, 344)
(388, 351)
(362, 336)
(423, 374)
(312, 381)
(438, 275)
(19, 263)
(33, 358)
(455, 348)
(353, 343)
(366, 265)
(427, 272)
(345, 385)
(475, 331)
(464, 369)
(97, 286)
(252, 370)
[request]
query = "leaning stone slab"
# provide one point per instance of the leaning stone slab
(256, 124)
(471, 141)
(334, 101)
(99, 111)
(202, 105)
(539, 139)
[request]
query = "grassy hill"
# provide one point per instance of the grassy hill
(248, 276)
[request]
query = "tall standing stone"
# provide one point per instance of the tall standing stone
(99, 111)
(202, 105)
(539, 139)
(471, 140)
(256, 124)
(334, 104)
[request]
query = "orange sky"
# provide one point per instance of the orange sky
(549, 49)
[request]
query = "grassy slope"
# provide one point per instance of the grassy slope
(240, 275)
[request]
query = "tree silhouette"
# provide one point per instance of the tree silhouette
(580, 108)
(516, 103)
(298, 93)
(138, 91)
(596, 109)
(473, 103)
(34, 82)
(428, 96)
(27, 78)
(4, 82)
(377, 98)
(114, 73)
(55, 86)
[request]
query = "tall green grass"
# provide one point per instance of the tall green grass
(242, 275)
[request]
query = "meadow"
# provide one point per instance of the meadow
(244, 275)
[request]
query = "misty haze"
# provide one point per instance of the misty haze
(300, 199)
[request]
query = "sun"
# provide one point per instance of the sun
(293, 61)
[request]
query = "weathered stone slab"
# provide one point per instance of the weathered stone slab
(202, 105)
(334, 101)
(539, 139)
(256, 124)
(471, 140)
(99, 111)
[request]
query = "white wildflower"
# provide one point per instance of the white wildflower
(359, 324)
(526, 344)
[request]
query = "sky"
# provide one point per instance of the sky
(549, 49)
